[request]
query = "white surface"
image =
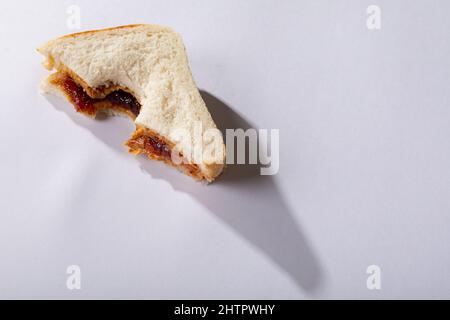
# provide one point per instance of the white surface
(364, 120)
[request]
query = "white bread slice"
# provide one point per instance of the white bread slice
(150, 62)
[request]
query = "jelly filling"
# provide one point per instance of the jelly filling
(84, 103)
(151, 145)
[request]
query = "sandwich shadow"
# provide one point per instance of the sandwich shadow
(251, 204)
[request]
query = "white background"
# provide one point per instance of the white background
(364, 178)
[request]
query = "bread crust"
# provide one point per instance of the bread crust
(157, 28)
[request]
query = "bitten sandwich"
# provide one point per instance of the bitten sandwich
(140, 71)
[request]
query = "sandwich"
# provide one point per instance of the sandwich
(141, 72)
